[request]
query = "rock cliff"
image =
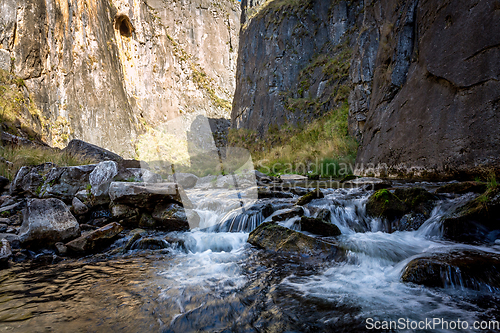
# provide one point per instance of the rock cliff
(109, 71)
(421, 79)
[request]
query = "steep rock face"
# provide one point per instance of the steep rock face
(108, 71)
(438, 120)
(293, 61)
(422, 79)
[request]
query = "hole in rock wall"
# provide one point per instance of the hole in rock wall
(123, 24)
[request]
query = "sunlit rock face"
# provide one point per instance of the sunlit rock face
(109, 71)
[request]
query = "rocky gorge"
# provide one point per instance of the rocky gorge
(125, 208)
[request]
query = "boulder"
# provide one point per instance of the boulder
(100, 179)
(314, 194)
(472, 269)
(288, 214)
(133, 236)
(96, 239)
(3, 182)
(5, 252)
(61, 248)
(138, 175)
(170, 217)
(411, 221)
(46, 222)
(143, 195)
(90, 151)
(64, 182)
(78, 207)
(126, 215)
(13, 239)
(417, 199)
(463, 187)
(385, 204)
(319, 227)
(476, 221)
(186, 180)
(149, 244)
(28, 181)
(273, 237)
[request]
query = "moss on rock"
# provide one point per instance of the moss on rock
(385, 204)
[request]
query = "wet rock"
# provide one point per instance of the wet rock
(273, 237)
(463, 187)
(411, 222)
(268, 193)
(84, 196)
(319, 227)
(143, 195)
(417, 199)
(87, 227)
(4, 220)
(5, 252)
(325, 215)
(3, 227)
(171, 217)
(61, 248)
(100, 179)
(476, 221)
(3, 182)
(95, 240)
(472, 269)
(149, 244)
(263, 178)
(78, 207)
(288, 214)
(46, 222)
(90, 151)
(315, 194)
(134, 236)
(385, 204)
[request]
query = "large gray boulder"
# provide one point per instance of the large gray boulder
(90, 151)
(143, 195)
(100, 179)
(46, 222)
(50, 181)
(186, 180)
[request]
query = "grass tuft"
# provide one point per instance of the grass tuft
(25, 156)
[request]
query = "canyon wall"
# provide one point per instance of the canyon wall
(109, 72)
(421, 79)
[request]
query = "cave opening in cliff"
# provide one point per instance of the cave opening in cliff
(123, 24)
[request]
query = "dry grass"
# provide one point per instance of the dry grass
(24, 156)
(323, 147)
